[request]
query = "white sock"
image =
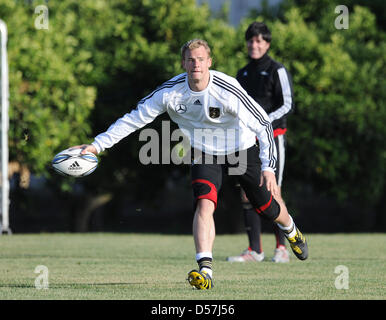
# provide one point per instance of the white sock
(201, 255)
(289, 231)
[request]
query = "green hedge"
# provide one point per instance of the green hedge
(98, 58)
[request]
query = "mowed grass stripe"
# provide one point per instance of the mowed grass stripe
(154, 266)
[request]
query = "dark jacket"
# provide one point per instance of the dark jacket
(270, 84)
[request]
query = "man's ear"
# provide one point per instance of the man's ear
(209, 62)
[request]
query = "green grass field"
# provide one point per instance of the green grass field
(152, 267)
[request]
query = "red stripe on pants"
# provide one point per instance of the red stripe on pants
(212, 194)
(265, 206)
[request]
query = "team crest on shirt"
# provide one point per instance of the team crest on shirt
(214, 112)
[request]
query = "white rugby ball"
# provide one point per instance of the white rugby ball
(71, 163)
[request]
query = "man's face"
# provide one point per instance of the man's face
(257, 47)
(197, 63)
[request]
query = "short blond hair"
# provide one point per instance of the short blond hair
(194, 44)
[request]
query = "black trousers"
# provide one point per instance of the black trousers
(207, 175)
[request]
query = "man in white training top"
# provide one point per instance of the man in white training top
(222, 123)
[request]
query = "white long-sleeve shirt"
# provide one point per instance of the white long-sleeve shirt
(219, 120)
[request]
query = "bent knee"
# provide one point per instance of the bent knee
(204, 190)
(269, 210)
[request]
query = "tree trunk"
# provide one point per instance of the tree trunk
(84, 214)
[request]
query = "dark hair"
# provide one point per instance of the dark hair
(256, 28)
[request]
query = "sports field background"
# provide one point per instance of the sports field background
(153, 266)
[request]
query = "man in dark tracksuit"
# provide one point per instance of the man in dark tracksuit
(269, 83)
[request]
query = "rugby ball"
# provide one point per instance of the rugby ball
(71, 162)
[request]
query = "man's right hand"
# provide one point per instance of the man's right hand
(269, 179)
(86, 148)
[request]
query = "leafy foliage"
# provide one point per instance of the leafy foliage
(98, 58)
(335, 136)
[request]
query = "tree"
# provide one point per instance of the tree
(99, 58)
(49, 101)
(95, 61)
